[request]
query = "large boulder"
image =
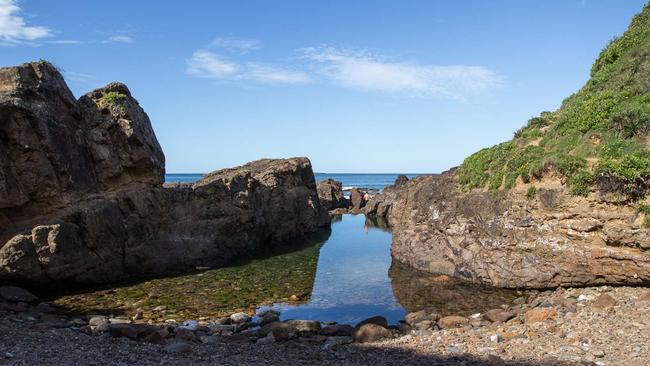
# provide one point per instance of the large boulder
(54, 149)
(330, 193)
(507, 239)
(82, 197)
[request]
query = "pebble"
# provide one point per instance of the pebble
(239, 318)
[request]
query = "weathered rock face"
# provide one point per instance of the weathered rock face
(505, 239)
(357, 200)
(82, 200)
(330, 193)
(55, 150)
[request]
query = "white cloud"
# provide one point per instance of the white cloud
(239, 45)
(13, 29)
(206, 64)
(265, 73)
(78, 76)
(359, 70)
(65, 41)
(119, 38)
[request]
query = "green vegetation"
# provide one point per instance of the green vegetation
(602, 131)
(113, 97)
(645, 210)
(242, 286)
(531, 193)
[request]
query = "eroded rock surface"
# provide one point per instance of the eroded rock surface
(506, 239)
(330, 193)
(82, 197)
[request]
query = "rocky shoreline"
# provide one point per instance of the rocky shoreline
(576, 326)
(82, 199)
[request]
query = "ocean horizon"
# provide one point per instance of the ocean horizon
(375, 181)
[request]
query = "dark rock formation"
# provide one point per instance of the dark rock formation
(82, 201)
(330, 193)
(505, 239)
(357, 199)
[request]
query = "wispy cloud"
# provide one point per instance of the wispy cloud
(237, 45)
(13, 29)
(78, 76)
(363, 71)
(65, 41)
(205, 64)
(119, 38)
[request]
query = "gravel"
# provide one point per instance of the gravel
(618, 334)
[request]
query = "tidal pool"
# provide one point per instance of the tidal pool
(340, 275)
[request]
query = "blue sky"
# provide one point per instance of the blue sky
(357, 86)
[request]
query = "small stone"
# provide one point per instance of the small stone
(294, 298)
(98, 324)
(496, 338)
(499, 316)
(123, 330)
(424, 325)
(371, 332)
(16, 294)
(119, 321)
(584, 297)
(603, 302)
(539, 315)
(519, 301)
(153, 335)
(192, 325)
(337, 330)
(185, 334)
(239, 318)
(378, 320)
(159, 308)
(283, 332)
(453, 321)
(223, 321)
(138, 315)
(599, 353)
(209, 339)
(304, 326)
(268, 317)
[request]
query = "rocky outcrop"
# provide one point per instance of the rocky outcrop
(330, 194)
(509, 239)
(82, 199)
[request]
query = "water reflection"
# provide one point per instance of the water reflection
(351, 278)
(273, 274)
(344, 275)
(442, 294)
(356, 279)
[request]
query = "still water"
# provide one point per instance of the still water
(341, 275)
(356, 279)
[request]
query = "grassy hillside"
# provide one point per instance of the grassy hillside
(600, 136)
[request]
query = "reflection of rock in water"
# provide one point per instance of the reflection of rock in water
(377, 222)
(272, 275)
(442, 294)
(336, 218)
